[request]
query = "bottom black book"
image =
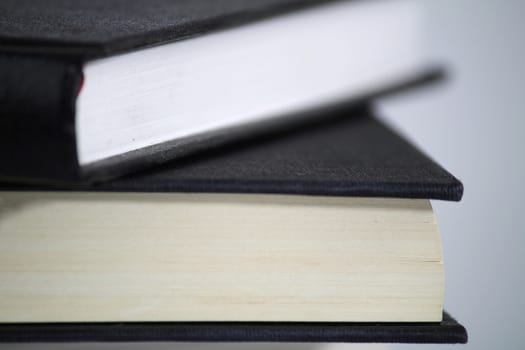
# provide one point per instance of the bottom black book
(446, 331)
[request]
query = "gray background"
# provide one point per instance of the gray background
(474, 126)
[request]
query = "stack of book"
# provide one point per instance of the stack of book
(214, 171)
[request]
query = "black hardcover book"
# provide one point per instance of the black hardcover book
(351, 153)
(94, 89)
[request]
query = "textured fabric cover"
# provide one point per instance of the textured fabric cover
(447, 331)
(98, 27)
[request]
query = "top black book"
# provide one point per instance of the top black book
(95, 89)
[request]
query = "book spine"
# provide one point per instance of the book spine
(37, 118)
